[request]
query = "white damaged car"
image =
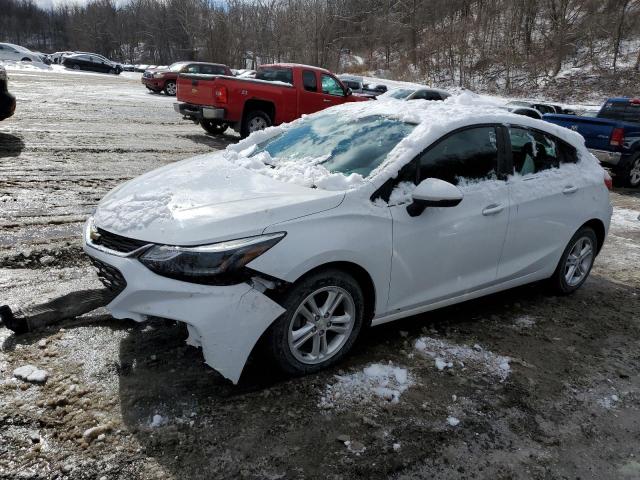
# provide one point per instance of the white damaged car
(303, 235)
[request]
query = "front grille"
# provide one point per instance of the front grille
(110, 276)
(118, 243)
(147, 75)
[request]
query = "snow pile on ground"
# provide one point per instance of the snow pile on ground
(374, 384)
(449, 355)
(524, 321)
(29, 373)
(625, 219)
(15, 65)
(609, 402)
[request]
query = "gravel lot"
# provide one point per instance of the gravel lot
(518, 385)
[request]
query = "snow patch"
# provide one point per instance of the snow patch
(134, 212)
(157, 421)
(29, 373)
(450, 355)
(376, 383)
(625, 219)
(453, 421)
(524, 321)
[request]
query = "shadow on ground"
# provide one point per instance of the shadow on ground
(218, 142)
(270, 425)
(10, 145)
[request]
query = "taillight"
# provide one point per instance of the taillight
(220, 94)
(608, 182)
(635, 101)
(617, 137)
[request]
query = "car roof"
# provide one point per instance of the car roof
(19, 47)
(294, 65)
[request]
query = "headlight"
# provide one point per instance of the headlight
(216, 264)
(158, 75)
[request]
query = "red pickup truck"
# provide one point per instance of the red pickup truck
(279, 93)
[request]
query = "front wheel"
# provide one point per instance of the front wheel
(214, 128)
(324, 316)
(170, 89)
(576, 262)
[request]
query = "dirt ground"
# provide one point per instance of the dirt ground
(126, 400)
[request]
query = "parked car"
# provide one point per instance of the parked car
(408, 93)
(279, 93)
(9, 51)
(543, 108)
(613, 136)
(7, 101)
(526, 111)
(356, 84)
(56, 57)
(91, 62)
(375, 88)
(304, 235)
(158, 80)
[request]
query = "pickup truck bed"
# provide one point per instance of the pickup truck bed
(280, 93)
(613, 136)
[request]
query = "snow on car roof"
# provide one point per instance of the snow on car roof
(292, 65)
(432, 120)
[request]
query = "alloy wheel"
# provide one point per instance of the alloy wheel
(257, 123)
(321, 325)
(171, 88)
(579, 261)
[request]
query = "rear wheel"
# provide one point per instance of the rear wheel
(170, 89)
(254, 121)
(112, 71)
(214, 128)
(324, 316)
(76, 67)
(576, 262)
(26, 59)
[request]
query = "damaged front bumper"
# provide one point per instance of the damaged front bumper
(226, 321)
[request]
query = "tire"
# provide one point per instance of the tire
(170, 89)
(76, 67)
(630, 176)
(112, 71)
(564, 280)
(254, 121)
(26, 59)
(213, 128)
(303, 359)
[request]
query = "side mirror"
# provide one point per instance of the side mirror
(348, 92)
(434, 192)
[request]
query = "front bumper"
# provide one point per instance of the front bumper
(153, 83)
(608, 158)
(198, 112)
(226, 321)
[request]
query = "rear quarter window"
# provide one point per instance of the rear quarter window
(275, 75)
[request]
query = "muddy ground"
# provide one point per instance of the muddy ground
(567, 405)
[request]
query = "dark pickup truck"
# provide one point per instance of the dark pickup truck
(613, 136)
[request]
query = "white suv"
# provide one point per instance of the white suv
(304, 234)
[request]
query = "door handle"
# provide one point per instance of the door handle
(492, 209)
(569, 189)
(326, 100)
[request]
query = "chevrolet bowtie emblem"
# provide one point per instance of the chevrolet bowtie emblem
(93, 234)
(194, 90)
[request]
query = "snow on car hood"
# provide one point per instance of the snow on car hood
(205, 199)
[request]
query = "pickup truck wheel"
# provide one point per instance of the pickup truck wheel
(633, 175)
(253, 122)
(212, 127)
(170, 89)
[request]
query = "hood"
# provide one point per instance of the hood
(204, 200)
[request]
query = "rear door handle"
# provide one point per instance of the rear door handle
(492, 209)
(569, 189)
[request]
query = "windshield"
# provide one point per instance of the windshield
(401, 93)
(340, 143)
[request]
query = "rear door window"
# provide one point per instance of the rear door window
(192, 69)
(309, 81)
(470, 154)
(212, 69)
(533, 151)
